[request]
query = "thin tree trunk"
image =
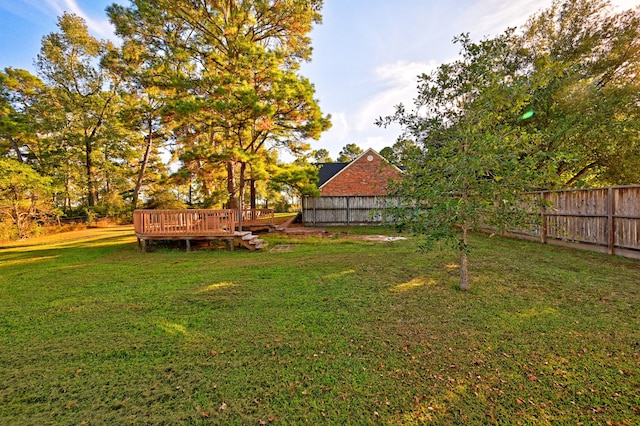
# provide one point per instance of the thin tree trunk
(143, 166)
(16, 148)
(464, 262)
(581, 173)
(231, 185)
(252, 183)
(91, 191)
(242, 183)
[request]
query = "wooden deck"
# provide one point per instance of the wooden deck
(256, 219)
(201, 224)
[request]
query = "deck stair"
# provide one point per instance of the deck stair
(247, 240)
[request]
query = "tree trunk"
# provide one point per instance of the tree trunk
(91, 190)
(16, 148)
(242, 183)
(231, 185)
(143, 166)
(252, 183)
(464, 262)
(581, 173)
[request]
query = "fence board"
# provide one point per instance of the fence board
(343, 210)
(608, 219)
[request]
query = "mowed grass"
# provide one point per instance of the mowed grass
(335, 330)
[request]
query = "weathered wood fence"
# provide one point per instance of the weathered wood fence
(341, 211)
(602, 219)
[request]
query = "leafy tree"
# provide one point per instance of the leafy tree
(301, 178)
(585, 60)
(20, 95)
(400, 152)
(349, 153)
(555, 106)
(83, 99)
(321, 156)
(235, 65)
(473, 160)
(25, 196)
(144, 113)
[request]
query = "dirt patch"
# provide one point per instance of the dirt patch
(380, 238)
(282, 248)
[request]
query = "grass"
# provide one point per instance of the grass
(337, 331)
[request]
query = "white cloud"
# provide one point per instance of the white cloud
(34, 10)
(100, 27)
(340, 128)
(398, 82)
(491, 17)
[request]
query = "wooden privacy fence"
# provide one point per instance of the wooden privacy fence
(340, 211)
(602, 219)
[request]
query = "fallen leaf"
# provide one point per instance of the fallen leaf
(223, 406)
(519, 401)
(214, 353)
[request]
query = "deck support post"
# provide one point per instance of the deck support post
(188, 245)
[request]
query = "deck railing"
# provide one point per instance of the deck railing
(177, 223)
(256, 217)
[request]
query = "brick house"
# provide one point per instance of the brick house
(351, 193)
(366, 176)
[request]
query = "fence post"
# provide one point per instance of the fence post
(348, 224)
(611, 223)
(543, 227)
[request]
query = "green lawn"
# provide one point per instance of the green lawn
(330, 330)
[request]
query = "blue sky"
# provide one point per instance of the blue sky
(367, 53)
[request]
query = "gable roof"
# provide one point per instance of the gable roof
(334, 171)
(326, 171)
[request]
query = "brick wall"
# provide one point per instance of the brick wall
(366, 176)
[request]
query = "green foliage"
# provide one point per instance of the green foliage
(164, 199)
(86, 143)
(401, 152)
(302, 179)
(468, 162)
(554, 106)
(20, 96)
(335, 331)
(584, 60)
(239, 96)
(25, 198)
(321, 156)
(349, 153)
